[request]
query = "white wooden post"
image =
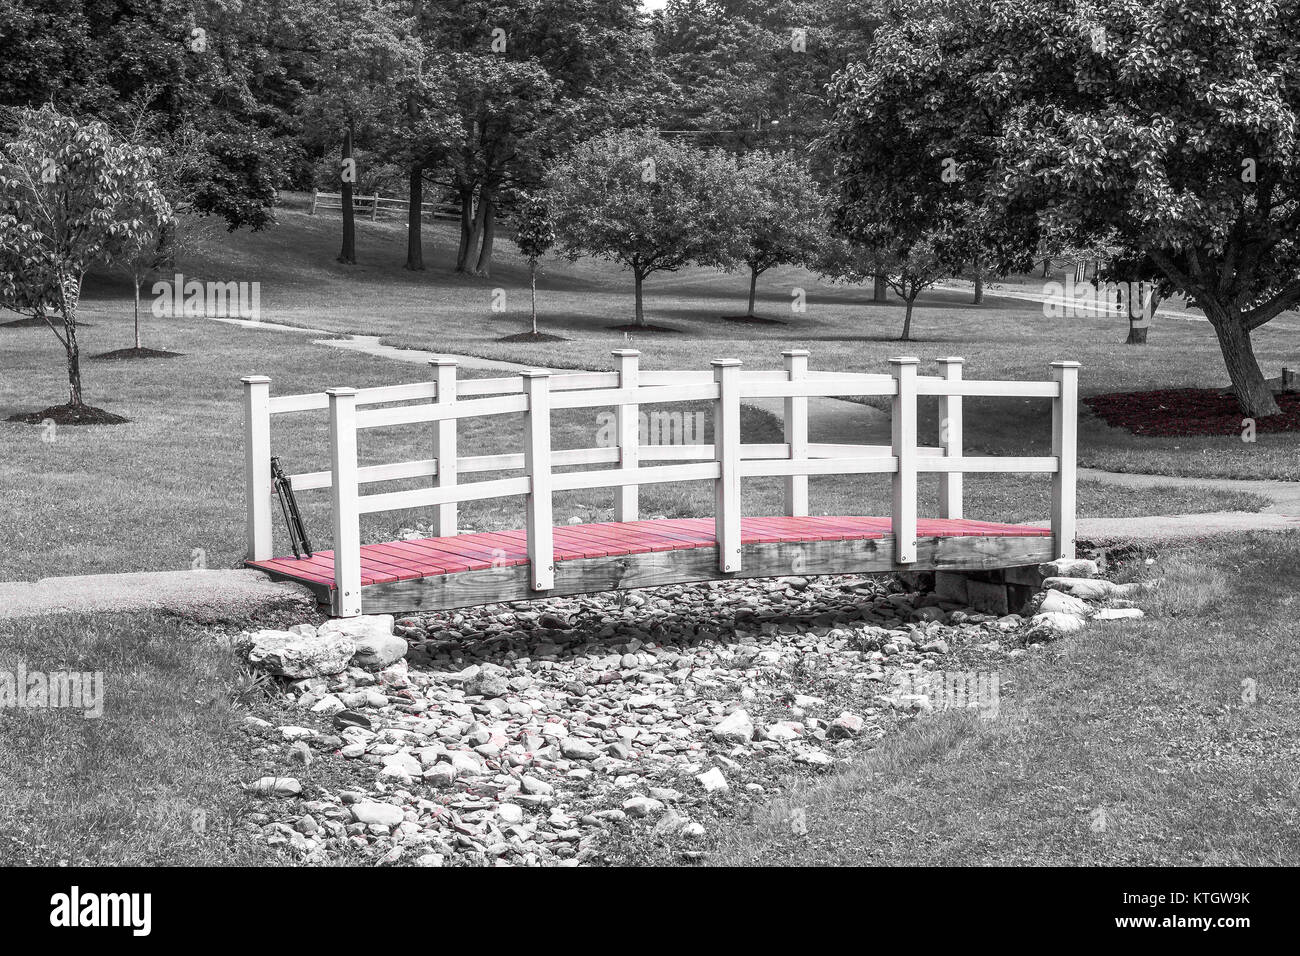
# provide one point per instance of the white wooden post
(444, 446)
(374, 207)
(950, 482)
(314, 197)
(726, 450)
(628, 421)
(343, 488)
(903, 435)
(257, 467)
(1065, 426)
(796, 433)
(537, 465)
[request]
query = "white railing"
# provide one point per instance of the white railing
(443, 401)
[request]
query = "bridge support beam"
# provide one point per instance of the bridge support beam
(343, 489)
(537, 465)
(726, 451)
(444, 446)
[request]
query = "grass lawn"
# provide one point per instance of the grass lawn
(166, 490)
(152, 781)
(1170, 740)
(1004, 338)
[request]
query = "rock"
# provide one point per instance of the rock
(1069, 568)
(1052, 601)
(736, 727)
(1053, 624)
(284, 654)
(377, 814)
(814, 758)
(532, 785)
(440, 775)
(1118, 613)
(711, 780)
(511, 814)
(553, 621)
(350, 718)
(277, 787)
(641, 806)
(376, 645)
(576, 748)
(939, 646)
(783, 730)
(1086, 589)
(846, 725)
(487, 686)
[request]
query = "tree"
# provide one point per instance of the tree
(650, 204)
(908, 270)
(534, 235)
(1169, 123)
(785, 219)
(72, 195)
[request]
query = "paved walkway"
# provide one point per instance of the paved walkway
(205, 595)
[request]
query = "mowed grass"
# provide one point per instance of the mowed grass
(154, 779)
(437, 309)
(165, 491)
(1170, 740)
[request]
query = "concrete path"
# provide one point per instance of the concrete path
(205, 595)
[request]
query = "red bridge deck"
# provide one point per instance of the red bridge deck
(485, 567)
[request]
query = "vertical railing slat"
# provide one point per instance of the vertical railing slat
(445, 516)
(903, 441)
(343, 489)
(257, 467)
(628, 422)
(1065, 423)
(726, 450)
(796, 433)
(950, 438)
(537, 465)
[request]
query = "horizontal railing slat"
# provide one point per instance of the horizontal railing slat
(987, 389)
(874, 464)
(988, 463)
(618, 477)
(424, 497)
(409, 414)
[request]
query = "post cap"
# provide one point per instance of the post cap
(725, 363)
(626, 353)
(951, 360)
(536, 373)
(1066, 364)
(442, 361)
(904, 360)
(342, 391)
(796, 352)
(256, 380)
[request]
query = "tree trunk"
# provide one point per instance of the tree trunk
(880, 292)
(640, 313)
(475, 234)
(488, 210)
(466, 226)
(348, 254)
(907, 321)
(979, 287)
(1253, 394)
(753, 288)
(1047, 267)
(414, 220)
(532, 279)
(137, 310)
(1137, 334)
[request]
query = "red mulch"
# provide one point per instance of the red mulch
(1189, 411)
(69, 415)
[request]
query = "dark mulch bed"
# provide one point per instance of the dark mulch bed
(532, 337)
(28, 322)
(122, 355)
(69, 415)
(632, 327)
(753, 320)
(1188, 411)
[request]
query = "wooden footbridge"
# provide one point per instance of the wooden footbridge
(448, 570)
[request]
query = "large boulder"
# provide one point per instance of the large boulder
(297, 655)
(1069, 568)
(1052, 601)
(376, 645)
